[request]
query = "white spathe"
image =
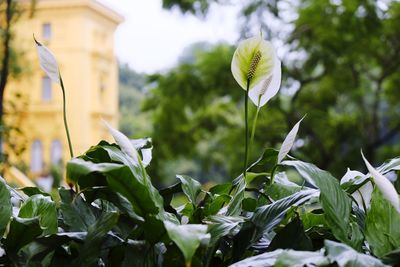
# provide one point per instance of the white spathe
(364, 193)
(384, 185)
(289, 141)
(267, 88)
(244, 56)
(48, 62)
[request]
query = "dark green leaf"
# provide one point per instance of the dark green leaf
(5, 206)
(43, 246)
(249, 204)
(335, 202)
(104, 193)
(187, 237)
(30, 191)
(22, 231)
(292, 236)
(392, 258)
(168, 193)
(281, 187)
(294, 258)
(131, 182)
(346, 256)
(220, 189)
(137, 253)
(43, 208)
(223, 226)
(284, 258)
(265, 218)
(266, 162)
(235, 205)
(382, 229)
(215, 203)
(191, 188)
(263, 260)
(90, 251)
(76, 213)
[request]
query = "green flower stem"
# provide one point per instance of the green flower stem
(65, 118)
(273, 173)
(253, 130)
(246, 115)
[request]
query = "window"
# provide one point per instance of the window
(46, 88)
(46, 30)
(36, 156)
(56, 152)
(102, 87)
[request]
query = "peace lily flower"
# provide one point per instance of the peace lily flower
(48, 62)
(253, 61)
(384, 185)
(363, 195)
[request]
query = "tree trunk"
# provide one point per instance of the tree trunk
(5, 65)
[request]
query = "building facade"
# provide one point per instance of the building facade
(80, 33)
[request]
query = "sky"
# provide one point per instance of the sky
(151, 39)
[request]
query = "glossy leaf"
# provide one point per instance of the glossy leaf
(221, 226)
(281, 187)
(77, 214)
(5, 206)
(294, 258)
(382, 225)
(44, 208)
(90, 251)
(121, 202)
(335, 202)
(22, 232)
(235, 205)
(187, 237)
(344, 255)
(213, 206)
(190, 187)
(132, 183)
(265, 218)
(284, 258)
(292, 236)
(263, 260)
(30, 191)
(124, 143)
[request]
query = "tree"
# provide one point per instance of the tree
(9, 64)
(131, 94)
(341, 67)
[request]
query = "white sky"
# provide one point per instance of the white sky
(151, 39)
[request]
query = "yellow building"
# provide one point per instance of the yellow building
(80, 33)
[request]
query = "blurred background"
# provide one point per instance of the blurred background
(341, 67)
